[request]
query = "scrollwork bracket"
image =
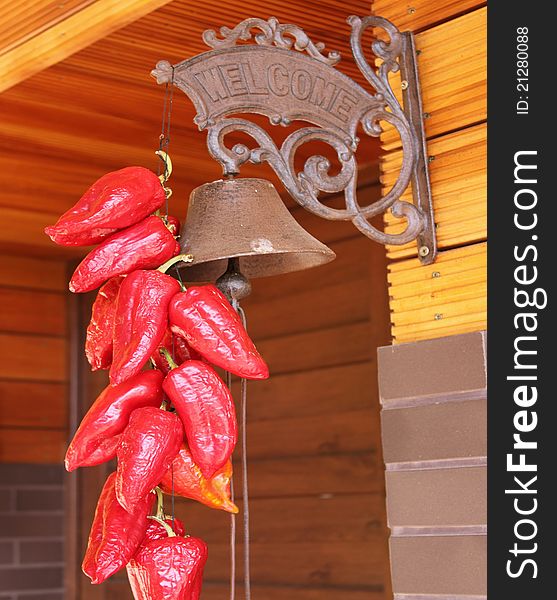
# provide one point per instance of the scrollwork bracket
(265, 67)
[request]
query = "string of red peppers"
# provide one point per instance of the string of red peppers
(172, 427)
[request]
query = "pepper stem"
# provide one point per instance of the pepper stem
(169, 529)
(160, 503)
(187, 258)
(166, 354)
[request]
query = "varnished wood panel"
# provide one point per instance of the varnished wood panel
(33, 274)
(313, 519)
(33, 369)
(321, 348)
(421, 14)
(22, 19)
(32, 311)
(31, 404)
(322, 391)
(458, 185)
(119, 589)
(32, 445)
(32, 358)
(80, 29)
(445, 298)
(452, 67)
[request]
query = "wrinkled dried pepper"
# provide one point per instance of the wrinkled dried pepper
(205, 319)
(117, 200)
(168, 569)
(147, 448)
(115, 534)
(206, 408)
(157, 531)
(177, 347)
(98, 343)
(145, 245)
(93, 442)
(140, 322)
(184, 478)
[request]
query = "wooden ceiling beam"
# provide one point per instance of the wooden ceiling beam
(74, 33)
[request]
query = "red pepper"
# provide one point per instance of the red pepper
(168, 569)
(115, 533)
(184, 478)
(98, 344)
(145, 245)
(206, 408)
(205, 319)
(116, 201)
(147, 448)
(177, 347)
(157, 531)
(93, 442)
(140, 322)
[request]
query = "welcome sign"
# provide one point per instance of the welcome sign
(281, 84)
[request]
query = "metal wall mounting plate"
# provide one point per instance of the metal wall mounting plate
(287, 77)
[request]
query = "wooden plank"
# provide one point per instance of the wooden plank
(352, 262)
(445, 298)
(314, 475)
(451, 262)
(32, 311)
(29, 234)
(335, 305)
(74, 33)
(356, 431)
(35, 274)
(318, 520)
(27, 404)
(32, 358)
(452, 67)
(419, 14)
(321, 348)
(328, 391)
(119, 589)
(341, 563)
(32, 446)
(458, 185)
(25, 19)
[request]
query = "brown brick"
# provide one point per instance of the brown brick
(454, 498)
(42, 596)
(40, 499)
(436, 431)
(444, 368)
(32, 578)
(6, 553)
(40, 551)
(18, 525)
(449, 565)
(6, 500)
(14, 474)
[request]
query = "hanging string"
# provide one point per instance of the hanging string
(164, 137)
(232, 522)
(245, 494)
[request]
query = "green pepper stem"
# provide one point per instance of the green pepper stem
(169, 529)
(160, 503)
(171, 362)
(187, 258)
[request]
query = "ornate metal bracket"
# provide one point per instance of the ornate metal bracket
(287, 77)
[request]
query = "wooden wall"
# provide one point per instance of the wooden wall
(33, 369)
(449, 297)
(316, 472)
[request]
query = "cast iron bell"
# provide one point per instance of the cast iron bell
(245, 218)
